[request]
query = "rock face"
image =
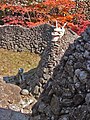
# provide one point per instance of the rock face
(66, 95)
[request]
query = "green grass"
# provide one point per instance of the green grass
(10, 61)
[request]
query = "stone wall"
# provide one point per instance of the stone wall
(62, 79)
(19, 38)
(67, 94)
(49, 60)
(35, 81)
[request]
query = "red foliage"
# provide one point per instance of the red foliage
(50, 10)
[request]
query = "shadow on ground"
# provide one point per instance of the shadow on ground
(7, 114)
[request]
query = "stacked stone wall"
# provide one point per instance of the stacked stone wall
(49, 60)
(62, 79)
(18, 38)
(67, 94)
(41, 40)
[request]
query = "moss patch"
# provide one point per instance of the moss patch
(10, 61)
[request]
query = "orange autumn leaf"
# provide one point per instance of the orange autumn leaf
(3, 6)
(70, 25)
(69, 17)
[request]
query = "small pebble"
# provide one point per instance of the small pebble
(24, 92)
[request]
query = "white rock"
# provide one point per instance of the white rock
(24, 92)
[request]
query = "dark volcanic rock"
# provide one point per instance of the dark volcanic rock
(69, 89)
